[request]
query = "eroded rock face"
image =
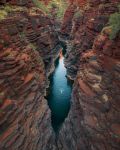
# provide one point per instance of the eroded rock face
(85, 28)
(67, 21)
(28, 47)
(95, 114)
(93, 121)
(27, 3)
(25, 120)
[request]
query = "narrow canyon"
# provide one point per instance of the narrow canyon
(59, 74)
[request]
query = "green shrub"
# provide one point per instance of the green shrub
(4, 10)
(3, 14)
(114, 23)
(40, 5)
(8, 8)
(60, 7)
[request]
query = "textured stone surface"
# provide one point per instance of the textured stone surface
(25, 119)
(28, 47)
(93, 122)
(27, 3)
(85, 28)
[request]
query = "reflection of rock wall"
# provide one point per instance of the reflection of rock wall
(93, 121)
(25, 122)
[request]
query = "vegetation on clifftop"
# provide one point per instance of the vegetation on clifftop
(114, 22)
(113, 27)
(6, 9)
(59, 6)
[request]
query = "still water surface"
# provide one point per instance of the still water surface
(59, 94)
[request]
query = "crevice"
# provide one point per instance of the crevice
(58, 116)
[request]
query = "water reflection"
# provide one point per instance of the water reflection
(60, 93)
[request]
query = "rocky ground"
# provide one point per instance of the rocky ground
(29, 45)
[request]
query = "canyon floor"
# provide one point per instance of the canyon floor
(31, 41)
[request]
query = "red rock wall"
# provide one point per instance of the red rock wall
(18, 2)
(67, 20)
(84, 31)
(27, 53)
(93, 121)
(25, 120)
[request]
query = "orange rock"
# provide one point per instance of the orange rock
(88, 54)
(85, 88)
(5, 52)
(25, 57)
(28, 77)
(6, 103)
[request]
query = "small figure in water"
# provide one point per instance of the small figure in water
(61, 91)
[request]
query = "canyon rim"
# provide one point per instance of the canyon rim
(60, 69)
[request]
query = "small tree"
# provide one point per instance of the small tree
(114, 23)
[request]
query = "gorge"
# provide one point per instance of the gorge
(59, 94)
(40, 109)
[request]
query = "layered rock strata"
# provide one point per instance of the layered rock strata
(28, 3)
(86, 26)
(93, 121)
(26, 43)
(28, 46)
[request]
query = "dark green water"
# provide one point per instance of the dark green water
(59, 94)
